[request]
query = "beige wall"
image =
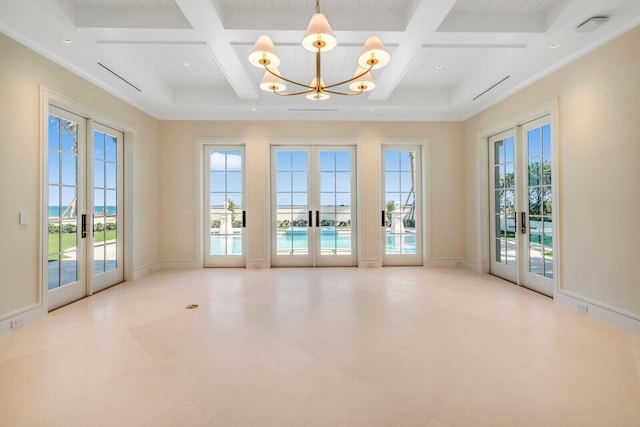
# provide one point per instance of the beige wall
(599, 170)
(444, 174)
(22, 73)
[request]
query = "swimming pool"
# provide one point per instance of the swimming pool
(296, 240)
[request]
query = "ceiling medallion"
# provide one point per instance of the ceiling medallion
(319, 38)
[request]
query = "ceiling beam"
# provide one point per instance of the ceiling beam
(427, 18)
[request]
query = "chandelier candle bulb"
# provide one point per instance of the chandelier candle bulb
(264, 53)
(319, 35)
(364, 83)
(272, 83)
(374, 54)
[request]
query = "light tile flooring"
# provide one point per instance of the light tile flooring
(319, 347)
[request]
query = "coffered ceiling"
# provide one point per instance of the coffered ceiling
(187, 59)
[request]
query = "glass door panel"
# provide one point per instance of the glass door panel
(401, 211)
(503, 208)
(313, 206)
(65, 268)
(521, 189)
(539, 207)
(107, 180)
(225, 214)
(335, 168)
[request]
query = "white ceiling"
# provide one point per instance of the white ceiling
(444, 53)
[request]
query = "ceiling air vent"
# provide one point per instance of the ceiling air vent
(313, 110)
(592, 23)
(487, 90)
(120, 77)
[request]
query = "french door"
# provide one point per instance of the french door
(225, 215)
(313, 206)
(84, 207)
(401, 216)
(521, 190)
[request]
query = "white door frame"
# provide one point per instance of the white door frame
(418, 258)
(223, 260)
(312, 143)
(482, 187)
(47, 98)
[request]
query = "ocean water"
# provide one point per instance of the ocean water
(54, 211)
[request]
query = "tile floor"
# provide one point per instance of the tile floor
(319, 347)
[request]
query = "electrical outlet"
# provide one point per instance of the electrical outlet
(17, 323)
(583, 308)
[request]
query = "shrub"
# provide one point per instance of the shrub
(69, 228)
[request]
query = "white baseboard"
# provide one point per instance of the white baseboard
(471, 265)
(370, 263)
(613, 316)
(445, 262)
(22, 317)
(141, 272)
(258, 264)
(179, 265)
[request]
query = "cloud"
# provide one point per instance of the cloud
(234, 161)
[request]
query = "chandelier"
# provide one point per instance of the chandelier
(319, 38)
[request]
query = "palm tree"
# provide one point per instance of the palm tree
(411, 214)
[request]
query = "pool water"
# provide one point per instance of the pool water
(331, 240)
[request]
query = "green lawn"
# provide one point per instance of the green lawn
(69, 241)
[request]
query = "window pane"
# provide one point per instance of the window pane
(327, 181)
(499, 152)
(327, 161)
(234, 181)
(98, 145)
(54, 167)
(218, 182)
(98, 173)
(111, 172)
(69, 136)
(299, 181)
(392, 182)
(343, 161)
(110, 148)
(283, 160)
(299, 159)
(234, 161)
(54, 133)
(392, 160)
(534, 143)
(69, 169)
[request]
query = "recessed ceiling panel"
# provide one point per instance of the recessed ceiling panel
(442, 68)
(127, 14)
(504, 6)
(372, 15)
(181, 66)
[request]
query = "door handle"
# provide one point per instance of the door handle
(84, 226)
(244, 219)
(317, 218)
(383, 219)
(523, 222)
(310, 219)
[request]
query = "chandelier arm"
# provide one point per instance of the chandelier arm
(354, 78)
(344, 93)
(295, 93)
(287, 80)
